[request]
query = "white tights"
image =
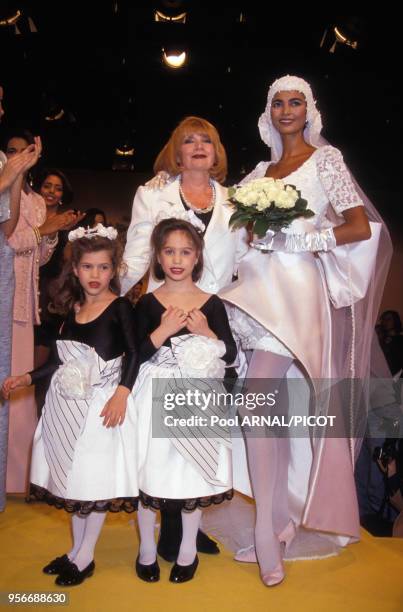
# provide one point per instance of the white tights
(86, 530)
(268, 459)
(148, 549)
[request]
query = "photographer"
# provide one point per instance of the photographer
(390, 461)
(379, 449)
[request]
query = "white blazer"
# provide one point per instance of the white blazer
(223, 248)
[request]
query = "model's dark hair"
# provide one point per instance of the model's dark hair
(158, 240)
(66, 290)
(42, 174)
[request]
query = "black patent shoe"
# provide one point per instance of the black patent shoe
(206, 545)
(183, 573)
(72, 575)
(57, 566)
(148, 573)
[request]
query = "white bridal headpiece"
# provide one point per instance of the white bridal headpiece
(270, 135)
(92, 232)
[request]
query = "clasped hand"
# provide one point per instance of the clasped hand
(174, 319)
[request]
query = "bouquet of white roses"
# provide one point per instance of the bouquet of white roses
(267, 203)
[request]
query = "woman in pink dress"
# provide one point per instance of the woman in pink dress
(33, 241)
(11, 177)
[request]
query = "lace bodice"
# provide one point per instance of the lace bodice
(323, 180)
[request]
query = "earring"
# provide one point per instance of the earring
(60, 203)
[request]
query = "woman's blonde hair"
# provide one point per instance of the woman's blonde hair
(168, 158)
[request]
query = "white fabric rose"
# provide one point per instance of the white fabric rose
(106, 232)
(199, 357)
(76, 378)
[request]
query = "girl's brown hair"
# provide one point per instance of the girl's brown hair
(168, 159)
(66, 290)
(158, 240)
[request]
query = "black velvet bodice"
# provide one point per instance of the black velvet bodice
(111, 334)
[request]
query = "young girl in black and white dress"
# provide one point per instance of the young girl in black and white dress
(84, 457)
(183, 332)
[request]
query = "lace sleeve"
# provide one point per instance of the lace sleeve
(336, 180)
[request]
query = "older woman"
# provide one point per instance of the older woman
(196, 160)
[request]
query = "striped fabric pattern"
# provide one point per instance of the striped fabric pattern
(63, 419)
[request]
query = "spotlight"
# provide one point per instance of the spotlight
(124, 156)
(22, 23)
(11, 20)
(346, 33)
(342, 38)
(171, 11)
(124, 151)
(174, 58)
(179, 18)
(55, 115)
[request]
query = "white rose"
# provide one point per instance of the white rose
(292, 193)
(199, 357)
(284, 200)
(263, 202)
(271, 193)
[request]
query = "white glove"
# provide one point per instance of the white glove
(322, 240)
(158, 181)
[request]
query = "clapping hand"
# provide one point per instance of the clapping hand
(20, 163)
(63, 221)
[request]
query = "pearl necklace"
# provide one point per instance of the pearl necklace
(195, 209)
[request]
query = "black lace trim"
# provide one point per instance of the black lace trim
(187, 505)
(119, 504)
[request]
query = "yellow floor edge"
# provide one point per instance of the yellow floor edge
(366, 576)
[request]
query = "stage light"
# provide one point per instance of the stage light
(22, 23)
(11, 20)
(346, 34)
(179, 18)
(123, 159)
(174, 58)
(55, 115)
(124, 151)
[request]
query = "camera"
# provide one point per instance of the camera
(387, 452)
